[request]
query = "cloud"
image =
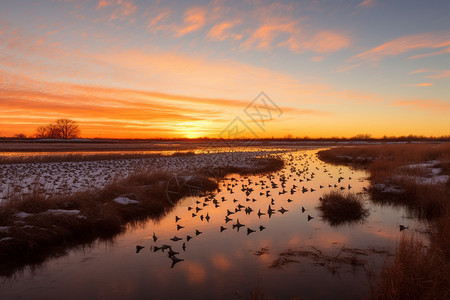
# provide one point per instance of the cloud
(422, 84)
(366, 3)
(194, 19)
(221, 31)
(122, 8)
(400, 46)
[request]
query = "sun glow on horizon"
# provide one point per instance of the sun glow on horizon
(137, 69)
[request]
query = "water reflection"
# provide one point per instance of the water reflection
(223, 259)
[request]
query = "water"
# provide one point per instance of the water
(227, 265)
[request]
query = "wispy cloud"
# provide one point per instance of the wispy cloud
(400, 46)
(221, 31)
(194, 19)
(121, 8)
(422, 84)
(366, 3)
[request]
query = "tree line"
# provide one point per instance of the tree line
(60, 129)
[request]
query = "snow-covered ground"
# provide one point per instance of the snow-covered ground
(64, 178)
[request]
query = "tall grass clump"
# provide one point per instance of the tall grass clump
(337, 208)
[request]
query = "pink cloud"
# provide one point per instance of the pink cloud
(400, 46)
(367, 3)
(221, 31)
(194, 19)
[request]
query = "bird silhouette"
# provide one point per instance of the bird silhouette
(222, 228)
(179, 227)
(139, 248)
(177, 219)
(282, 210)
(238, 225)
(154, 237)
(176, 239)
(250, 231)
(198, 232)
(303, 209)
(310, 218)
(188, 238)
(184, 247)
(175, 260)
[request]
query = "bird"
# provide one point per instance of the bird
(193, 215)
(175, 239)
(179, 227)
(238, 225)
(197, 232)
(261, 228)
(184, 247)
(177, 219)
(282, 210)
(229, 212)
(402, 227)
(222, 228)
(172, 253)
(227, 219)
(310, 218)
(162, 248)
(154, 237)
(207, 217)
(250, 231)
(260, 213)
(139, 248)
(175, 260)
(188, 238)
(303, 209)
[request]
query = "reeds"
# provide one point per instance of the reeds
(421, 267)
(337, 208)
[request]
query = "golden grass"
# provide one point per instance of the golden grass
(337, 208)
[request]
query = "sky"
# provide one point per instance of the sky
(249, 68)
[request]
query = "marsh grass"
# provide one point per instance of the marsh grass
(421, 267)
(79, 157)
(40, 227)
(338, 208)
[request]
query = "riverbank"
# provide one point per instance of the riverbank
(415, 176)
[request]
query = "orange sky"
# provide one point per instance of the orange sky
(138, 69)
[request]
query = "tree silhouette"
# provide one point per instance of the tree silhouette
(68, 129)
(61, 129)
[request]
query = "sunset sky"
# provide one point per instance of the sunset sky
(143, 69)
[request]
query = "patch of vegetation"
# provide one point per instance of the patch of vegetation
(337, 208)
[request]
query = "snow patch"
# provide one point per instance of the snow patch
(22, 215)
(125, 201)
(63, 211)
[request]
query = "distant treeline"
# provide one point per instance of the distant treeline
(362, 138)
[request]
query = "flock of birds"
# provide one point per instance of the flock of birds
(294, 179)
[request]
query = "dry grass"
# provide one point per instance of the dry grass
(338, 208)
(44, 234)
(419, 270)
(78, 157)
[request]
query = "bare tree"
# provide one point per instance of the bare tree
(68, 129)
(41, 132)
(61, 129)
